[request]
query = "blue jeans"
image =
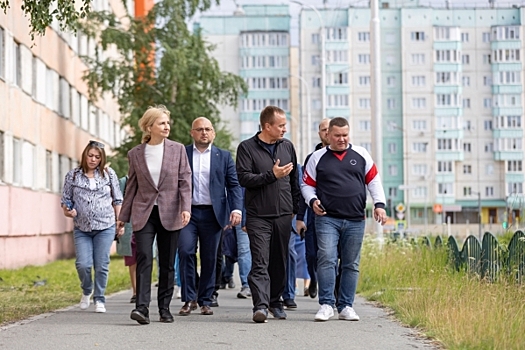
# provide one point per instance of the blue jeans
(92, 251)
(244, 258)
(289, 288)
(177, 269)
(349, 235)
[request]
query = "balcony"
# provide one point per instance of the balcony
(508, 155)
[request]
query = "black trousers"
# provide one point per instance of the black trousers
(269, 238)
(167, 246)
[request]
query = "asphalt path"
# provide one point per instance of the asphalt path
(231, 327)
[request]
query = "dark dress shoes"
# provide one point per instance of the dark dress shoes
(312, 289)
(290, 303)
(188, 307)
(140, 314)
(165, 316)
(206, 310)
(214, 301)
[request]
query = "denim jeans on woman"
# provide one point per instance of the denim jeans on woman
(92, 251)
(349, 234)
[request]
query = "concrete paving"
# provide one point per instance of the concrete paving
(231, 327)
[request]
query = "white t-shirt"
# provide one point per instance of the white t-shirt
(154, 155)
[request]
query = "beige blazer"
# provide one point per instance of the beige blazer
(173, 193)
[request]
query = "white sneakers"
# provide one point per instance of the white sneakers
(84, 302)
(348, 314)
(100, 307)
(326, 312)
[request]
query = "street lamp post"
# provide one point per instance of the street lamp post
(323, 71)
(305, 148)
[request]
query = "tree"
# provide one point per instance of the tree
(42, 12)
(159, 61)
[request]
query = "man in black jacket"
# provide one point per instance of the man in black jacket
(266, 168)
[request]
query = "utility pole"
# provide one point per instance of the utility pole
(376, 122)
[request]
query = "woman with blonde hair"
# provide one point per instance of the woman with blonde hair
(92, 197)
(158, 204)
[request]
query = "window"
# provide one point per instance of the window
(466, 103)
(447, 55)
(467, 191)
(467, 169)
(336, 34)
(506, 55)
(465, 59)
(419, 147)
(17, 157)
(447, 78)
(464, 37)
(465, 81)
(17, 65)
(28, 165)
(316, 60)
(419, 102)
(336, 56)
(444, 166)
(507, 77)
(364, 80)
(446, 33)
(418, 58)
(363, 36)
(364, 103)
(467, 125)
(316, 82)
(420, 192)
(487, 103)
(489, 147)
(487, 59)
(487, 124)
(337, 100)
(447, 100)
(419, 169)
(489, 191)
(417, 36)
(392, 148)
(2, 53)
(507, 122)
(448, 144)
(467, 147)
(391, 103)
(392, 192)
(316, 38)
(364, 125)
(418, 80)
(506, 33)
(515, 188)
(391, 81)
(514, 166)
(446, 188)
(487, 81)
(489, 169)
(419, 124)
(363, 58)
(392, 170)
(486, 37)
(341, 79)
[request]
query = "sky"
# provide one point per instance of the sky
(227, 7)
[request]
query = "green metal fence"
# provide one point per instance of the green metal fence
(487, 259)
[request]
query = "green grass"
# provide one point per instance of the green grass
(458, 310)
(20, 299)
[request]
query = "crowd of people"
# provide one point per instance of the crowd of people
(279, 220)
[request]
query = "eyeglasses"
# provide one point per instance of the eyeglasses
(203, 129)
(96, 144)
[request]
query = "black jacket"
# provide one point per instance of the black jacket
(265, 195)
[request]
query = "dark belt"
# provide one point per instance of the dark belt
(202, 206)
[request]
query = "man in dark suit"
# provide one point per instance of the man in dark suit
(215, 190)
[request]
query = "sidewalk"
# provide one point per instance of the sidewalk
(230, 327)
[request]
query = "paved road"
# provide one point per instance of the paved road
(230, 328)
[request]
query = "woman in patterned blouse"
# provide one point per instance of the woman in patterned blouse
(92, 197)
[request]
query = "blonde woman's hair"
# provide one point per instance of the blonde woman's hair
(148, 119)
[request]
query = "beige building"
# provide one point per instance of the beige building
(46, 119)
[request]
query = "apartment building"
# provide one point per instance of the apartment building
(452, 102)
(46, 120)
(254, 43)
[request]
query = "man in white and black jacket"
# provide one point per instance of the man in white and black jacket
(334, 185)
(267, 169)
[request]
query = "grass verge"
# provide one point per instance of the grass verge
(23, 292)
(458, 310)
